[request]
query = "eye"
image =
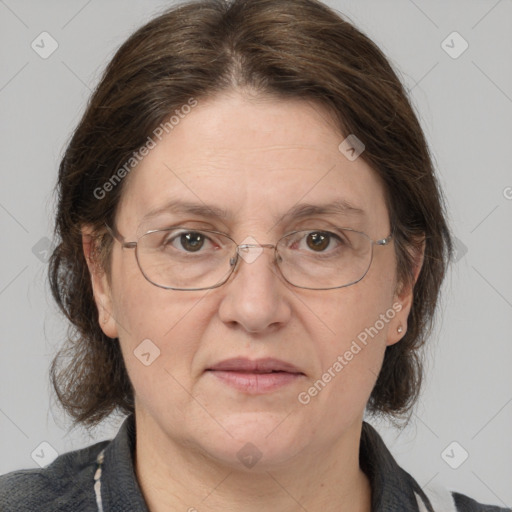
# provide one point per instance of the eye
(190, 241)
(317, 241)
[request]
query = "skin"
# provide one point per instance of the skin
(256, 157)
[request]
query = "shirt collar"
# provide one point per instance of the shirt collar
(120, 489)
(392, 487)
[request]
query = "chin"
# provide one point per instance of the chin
(256, 441)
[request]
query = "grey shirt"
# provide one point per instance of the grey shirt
(68, 483)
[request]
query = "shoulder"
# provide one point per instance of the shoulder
(393, 488)
(444, 500)
(64, 485)
(467, 504)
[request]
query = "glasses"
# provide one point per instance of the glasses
(183, 258)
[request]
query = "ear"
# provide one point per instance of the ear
(100, 285)
(403, 298)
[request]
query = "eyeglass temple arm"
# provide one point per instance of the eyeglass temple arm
(115, 234)
(384, 241)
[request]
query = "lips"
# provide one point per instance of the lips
(244, 365)
(256, 377)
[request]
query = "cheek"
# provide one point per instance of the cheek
(159, 330)
(351, 342)
(141, 309)
(359, 313)
(159, 340)
(169, 320)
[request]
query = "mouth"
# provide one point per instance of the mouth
(255, 376)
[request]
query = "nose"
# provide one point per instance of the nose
(255, 297)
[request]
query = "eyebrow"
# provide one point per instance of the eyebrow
(339, 206)
(298, 211)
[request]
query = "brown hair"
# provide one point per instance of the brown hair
(298, 49)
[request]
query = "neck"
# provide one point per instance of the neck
(174, 476)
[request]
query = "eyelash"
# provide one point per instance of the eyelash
(168, 240)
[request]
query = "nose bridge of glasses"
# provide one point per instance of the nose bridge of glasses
(249, 256)
(262, 246)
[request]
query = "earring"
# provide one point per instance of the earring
(400, 329)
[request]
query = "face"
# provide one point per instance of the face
(256, 159)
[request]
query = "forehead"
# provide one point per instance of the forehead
(252, 159)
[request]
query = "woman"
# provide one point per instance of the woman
(252, 246)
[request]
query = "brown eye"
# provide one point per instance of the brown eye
(184, 241)
(192, 241)
(318, 241)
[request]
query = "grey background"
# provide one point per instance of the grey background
(465, 106)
